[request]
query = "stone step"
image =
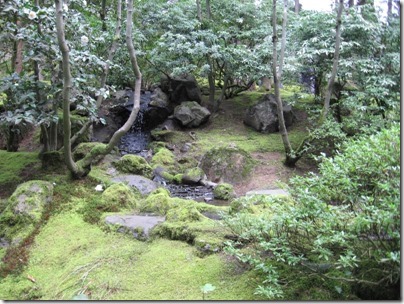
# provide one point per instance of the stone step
(267, 192)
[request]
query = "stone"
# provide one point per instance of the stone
(227, 164)
(191, 115)
(180, 89)
(269, 192)
(135, 164)
(263, 116)
(143, 184)
(193, 176)
(224, 191)
(25, 209)
(138, 225)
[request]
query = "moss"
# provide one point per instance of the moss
(83, 149)
(193, 175)
(158, 203)
(53, 160)
(183, 211)
(13, 163)
(118, 196)
(224, 191)
(156, 145)
(134, 164)
(25, 208)
(163, 158)
(178, 178)
(230, 163)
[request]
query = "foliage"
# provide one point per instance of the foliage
(337, 218)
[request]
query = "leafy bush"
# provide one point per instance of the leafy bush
(343, 225)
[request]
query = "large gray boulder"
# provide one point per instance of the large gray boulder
(143, 184)
(227, 164)
(190, 114)
(263, 116)
(180, 89)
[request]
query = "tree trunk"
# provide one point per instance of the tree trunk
(283, 43)
(19, 48)
(103, 14)
(208, 11)
(67, 85)
(83, 166)
(112, 51)
(297, 6)
(335, 63)
(199, 10)
(351, 3)
(282, 126)
(389, 10)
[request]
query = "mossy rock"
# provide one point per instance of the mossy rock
(25, 208)
(183, 211)
(158, 202)
(227, 164)
(118, 196)
(193, 176)
(164, 158)
(134, 164)
(156, 146)
(84, 148)
(224, 191)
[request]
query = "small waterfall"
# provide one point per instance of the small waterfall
(136, 140)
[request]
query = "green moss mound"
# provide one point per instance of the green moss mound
(193, 176)
(229, 164)
(25, 208)
(118, 196)
(164, 158)
(84, 148)
(134, 164)
(224, 191)
(13, 163)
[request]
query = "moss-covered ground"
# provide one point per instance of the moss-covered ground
(71, 253)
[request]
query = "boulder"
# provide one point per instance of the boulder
(180, 89)
(137, 225)
(227, 164)
(143, 184)
(193, 176)
(134, 164)
(158, 110)
(263, 116)
(118, 196)
(24, 210)
(224, 191)
(191, 115)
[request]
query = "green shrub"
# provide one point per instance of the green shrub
(350, 209)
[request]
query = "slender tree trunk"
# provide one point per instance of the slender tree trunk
(18, 65)
(208, 11)
(282, 126)
(212, 87)
(283, 43)
(103, 14)
(297, 6)
(112, 51)
(67, 86)
(351, 3)
(389, 10)
(83, 167)
(303, 146)
(335, 63)
(199, 10)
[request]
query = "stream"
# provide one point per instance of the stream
(136, 141)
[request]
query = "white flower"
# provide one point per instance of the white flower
(84, 40)
(31, 15)
(65, 7)
(99, 188)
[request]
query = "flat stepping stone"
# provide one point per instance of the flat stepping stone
(143, 184)
(267, 192)
(138, 225)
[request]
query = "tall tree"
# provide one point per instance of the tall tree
(82, 167)
(282, 126)
(297, 6)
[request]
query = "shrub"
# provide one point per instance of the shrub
(343, 226)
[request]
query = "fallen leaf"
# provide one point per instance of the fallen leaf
(31, 278)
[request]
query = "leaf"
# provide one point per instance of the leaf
(31, 278)
(208, 288)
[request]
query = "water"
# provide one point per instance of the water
(135, 141)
